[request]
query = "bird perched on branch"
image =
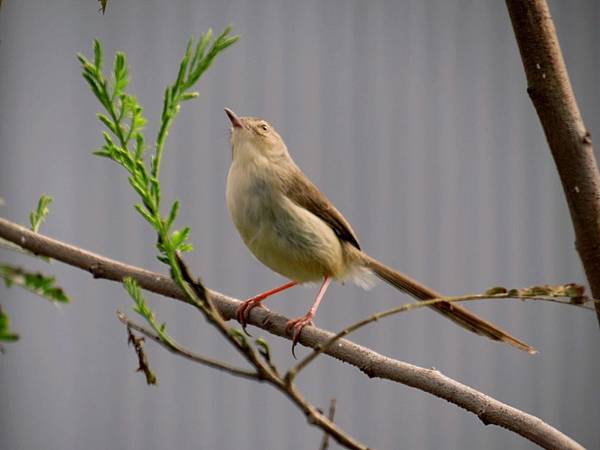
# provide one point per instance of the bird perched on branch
(292, 228)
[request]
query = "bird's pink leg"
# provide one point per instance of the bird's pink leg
(241, 313)
(295, 326)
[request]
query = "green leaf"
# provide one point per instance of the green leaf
(187, 247)
(189, 96)
(108, 140)
(107, 122)
(180, 236)
(35, 282)
(103, 153)
(98, 55)
(145, 214)
(38, 216)
(142, 309)
(221, 43)
(5, 334)
(120, 65)
(163, 259)
(120, 74)
(139, 187)
(94, 86)
(139, 146)
(82, 59)
(202, 43)
(183, 66)
(173, 213)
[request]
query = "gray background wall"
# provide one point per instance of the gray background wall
(412, 116)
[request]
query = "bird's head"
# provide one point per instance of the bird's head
(253, 137)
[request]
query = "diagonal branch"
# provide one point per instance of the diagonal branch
(188, 354)
(373, 364)
(301, 365)
(570, 142)
(313, 415)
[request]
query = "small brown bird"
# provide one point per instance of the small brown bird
(292, 228)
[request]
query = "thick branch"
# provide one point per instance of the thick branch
(488, 409)
(570, 142)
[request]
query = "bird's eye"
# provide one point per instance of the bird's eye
(264, 127)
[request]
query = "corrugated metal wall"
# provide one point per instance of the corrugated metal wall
(412, 116)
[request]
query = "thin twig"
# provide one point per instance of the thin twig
(143, 365)
(373, 364)
(199, 296)
(330, 416)
(293, 372)
(173, 347)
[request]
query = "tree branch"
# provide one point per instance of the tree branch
(550, 90)
(373, 364)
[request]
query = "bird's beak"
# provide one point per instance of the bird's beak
(235, 120)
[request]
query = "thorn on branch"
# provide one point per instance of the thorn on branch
(195, 283)
(482, 415)
(97, 271)
(143, 365)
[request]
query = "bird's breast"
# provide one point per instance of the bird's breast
(285, 237)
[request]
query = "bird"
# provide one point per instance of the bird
(293, 229)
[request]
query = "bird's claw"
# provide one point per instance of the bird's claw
(243, 311)
(294, 327)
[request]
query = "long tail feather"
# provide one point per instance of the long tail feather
(457, 313)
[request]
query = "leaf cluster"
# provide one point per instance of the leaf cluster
(134, 291)
(196, 60)
(124, 144)
(35, 282)
(124, 122)
(123, 126)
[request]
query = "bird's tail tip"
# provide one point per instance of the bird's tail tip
(453, 311)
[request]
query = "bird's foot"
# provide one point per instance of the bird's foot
(243, 311)
(294, 327)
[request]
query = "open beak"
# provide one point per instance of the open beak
(235, 120)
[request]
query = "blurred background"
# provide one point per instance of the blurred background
(411, 116)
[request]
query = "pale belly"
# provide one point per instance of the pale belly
(283, 236)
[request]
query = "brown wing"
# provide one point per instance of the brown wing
(299, 189)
